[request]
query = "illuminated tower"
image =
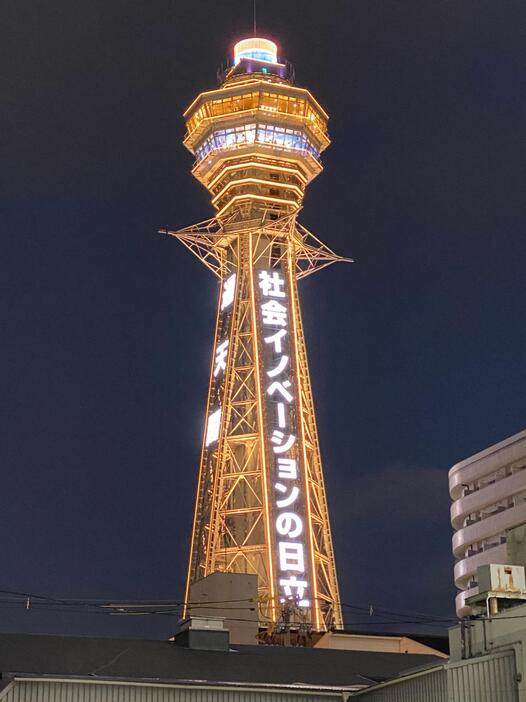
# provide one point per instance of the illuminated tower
(261, 506)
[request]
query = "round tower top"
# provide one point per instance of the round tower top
(254, 48)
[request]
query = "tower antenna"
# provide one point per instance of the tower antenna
(255, 24)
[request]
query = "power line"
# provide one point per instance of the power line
(112, 606)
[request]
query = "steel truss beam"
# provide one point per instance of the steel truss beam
(211, 240)
(233, 522)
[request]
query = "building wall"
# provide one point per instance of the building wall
(488, 491)
(428, 687)
(233, 596)
(491, 678)
(82, 690)
(379, 643)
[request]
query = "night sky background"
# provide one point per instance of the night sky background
(417, 351)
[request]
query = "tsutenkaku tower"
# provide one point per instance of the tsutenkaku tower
(261, 505)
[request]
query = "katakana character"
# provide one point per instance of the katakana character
(274, 313)
(282, 419)
(271, 283)
(290, 499)
(213, 426)
(282, 364)
(276, 339)
(288, 583)
(287, 468)
(291, 556)
(289, 524)
(221, 356)
(229, 290)
(277, 438)
(281, 388)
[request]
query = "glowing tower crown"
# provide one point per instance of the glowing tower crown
(261, 506)
(258, 138)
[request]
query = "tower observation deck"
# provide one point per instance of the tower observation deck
(261, 506)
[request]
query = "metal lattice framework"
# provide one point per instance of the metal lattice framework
(209, 241)
(233, 513)
(261, 506)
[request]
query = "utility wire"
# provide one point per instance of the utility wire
(172, 607)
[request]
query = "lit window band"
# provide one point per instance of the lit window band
(265, 134)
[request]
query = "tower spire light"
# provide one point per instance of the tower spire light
(261, 506)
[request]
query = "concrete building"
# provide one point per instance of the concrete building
(488, 491)
(232, 596)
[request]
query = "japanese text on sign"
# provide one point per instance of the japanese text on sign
(288, 489)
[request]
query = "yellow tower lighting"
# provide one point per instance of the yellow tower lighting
(261, 506)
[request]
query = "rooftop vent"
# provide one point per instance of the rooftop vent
(202, 634)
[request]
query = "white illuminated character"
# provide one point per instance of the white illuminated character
(282, 418)
(289, 583)
(274, 313)
(290, 499)
(276, 339)
(277, 438)
(281, 388)
(213, 426)
(229, 290)
(282, 364)
(271, 284)
(289, 524)
(221, 356)
(287, 468)
(291, 556)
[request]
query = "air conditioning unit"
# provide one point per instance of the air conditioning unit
(501, 578)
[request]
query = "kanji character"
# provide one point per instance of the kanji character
(281, 388)
(287, 468)
(276, 339)
(229, 290)
(271, 284)
(212, 427)
(290, 499)
(288, 583)
(274, 313)
(277, 438)
(221, 356)
(282, 364)
(289, 524)
(291, 556)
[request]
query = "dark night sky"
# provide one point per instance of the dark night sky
(417, 351)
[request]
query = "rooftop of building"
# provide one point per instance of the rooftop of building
(153, 660)
(519, 438)
(440, 642)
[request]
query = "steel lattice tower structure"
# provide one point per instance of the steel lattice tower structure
(261, 505)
